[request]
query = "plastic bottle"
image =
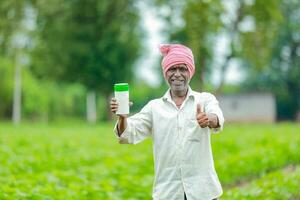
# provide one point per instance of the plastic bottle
(122, 97)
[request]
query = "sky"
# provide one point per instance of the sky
(146, 64)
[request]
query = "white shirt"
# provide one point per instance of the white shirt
(183, 158)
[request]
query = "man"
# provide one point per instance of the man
(179, 123)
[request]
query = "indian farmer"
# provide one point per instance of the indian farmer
(180, 124)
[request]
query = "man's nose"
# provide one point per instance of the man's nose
(177, 72)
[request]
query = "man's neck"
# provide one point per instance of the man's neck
(178, 95)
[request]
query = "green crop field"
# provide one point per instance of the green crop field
(80, 161)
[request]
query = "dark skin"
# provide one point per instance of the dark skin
(178, 80)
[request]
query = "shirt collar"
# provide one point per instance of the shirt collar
(190, 93)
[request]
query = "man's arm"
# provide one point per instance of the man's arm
(134, 129)
(214, 112)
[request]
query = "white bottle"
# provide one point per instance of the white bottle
(122, 97)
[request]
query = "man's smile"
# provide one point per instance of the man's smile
(177, 81)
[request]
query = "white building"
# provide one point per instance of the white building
(253, 107)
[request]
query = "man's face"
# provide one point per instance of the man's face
(178, 78)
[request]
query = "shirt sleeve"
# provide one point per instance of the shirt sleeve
(139, 127)
(212, 106)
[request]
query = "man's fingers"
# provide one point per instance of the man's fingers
(199, 109)
(204, 124)
(202, 118)
(113, 105)
(113, 100)
(202, 121)
(114, 109)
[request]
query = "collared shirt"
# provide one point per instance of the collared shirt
(183, 159)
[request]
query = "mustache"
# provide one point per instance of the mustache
(177, 79)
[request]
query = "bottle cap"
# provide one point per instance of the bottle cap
(121, 87)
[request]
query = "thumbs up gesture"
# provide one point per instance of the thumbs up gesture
(201, 117)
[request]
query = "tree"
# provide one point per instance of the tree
(281, 73)
(204, 22)
(13, 36)
(92, 42)
(196, 24)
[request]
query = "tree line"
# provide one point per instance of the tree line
(58, 56)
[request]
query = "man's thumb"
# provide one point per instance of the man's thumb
(199, 109)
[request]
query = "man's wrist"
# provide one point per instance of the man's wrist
(213, 121)
(121, 126)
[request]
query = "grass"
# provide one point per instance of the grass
(80, 161)
(279, 184)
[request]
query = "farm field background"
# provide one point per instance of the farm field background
(81, 161)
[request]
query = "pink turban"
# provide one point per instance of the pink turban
(177, 54)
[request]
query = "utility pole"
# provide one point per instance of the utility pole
(91, 107)
(16, 115)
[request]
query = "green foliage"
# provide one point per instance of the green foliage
(95, 44)
(92, 42)
(6, 87)
(257, 149)
(200, 39)
(65, 163)
(259, 42)
(45, 100)
(41, 99)
(267, 50)
(72, 160)
(281, 184)
(36, 95)
(282, 73)
(11, 15)
(200, 24)
(141, 94)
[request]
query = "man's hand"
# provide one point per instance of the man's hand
(122, 121)
(201, 117)
(114, 106)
